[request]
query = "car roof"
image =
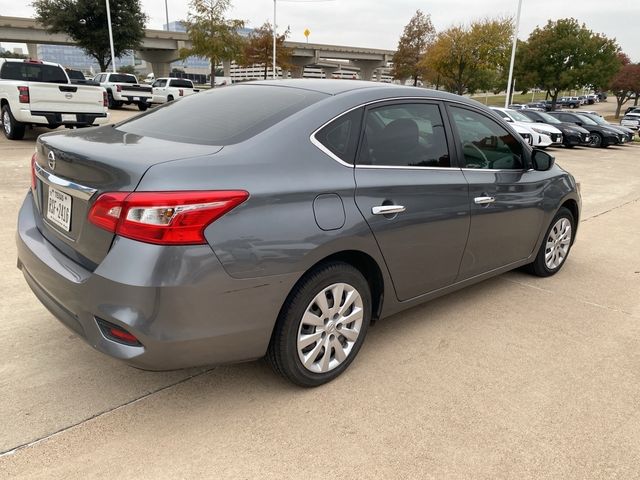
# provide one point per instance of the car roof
(337, 87)
(31, 60)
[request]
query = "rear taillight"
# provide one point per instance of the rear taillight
(33, 172)
(180, 92)
(23, 94)
(118, 88)
(105, 99)
(165, 218)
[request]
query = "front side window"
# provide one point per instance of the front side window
(159, 83)
(404, 135)
(485, 143)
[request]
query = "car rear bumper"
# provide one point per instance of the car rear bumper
(178, 301)
(61, 118)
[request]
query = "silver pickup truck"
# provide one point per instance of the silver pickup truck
(40, 93)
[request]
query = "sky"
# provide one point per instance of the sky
(379, 24)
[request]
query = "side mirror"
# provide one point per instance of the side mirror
(579, 124)
(541, 160)
(508, 119)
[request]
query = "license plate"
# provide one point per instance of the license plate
(59, 209)
(69, 117)
(135, 99)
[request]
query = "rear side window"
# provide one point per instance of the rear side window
(404, 135)
(222, 116)
(340, 136)
(33, 72)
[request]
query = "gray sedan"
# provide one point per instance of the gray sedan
(281, 219)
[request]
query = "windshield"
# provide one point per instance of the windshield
(595, 118)
(586, 120)
(548, 118)
(222, 116)
(519, 117)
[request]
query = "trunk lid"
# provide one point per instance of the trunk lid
(69, 98)
(74, 168)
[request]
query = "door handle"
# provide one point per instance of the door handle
(387, 209)
(484, 200)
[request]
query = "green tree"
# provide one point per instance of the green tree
(625, 85)
(258, 49)
(469, 58)
(85, 21)
(417, 37)
(8, 54)
(212, 35)
(564, 55)
(127, 69)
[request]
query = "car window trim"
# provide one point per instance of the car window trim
(365, 105)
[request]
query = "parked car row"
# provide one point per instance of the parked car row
(566, 128)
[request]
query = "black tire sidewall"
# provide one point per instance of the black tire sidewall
(17, 129)
(295, 307)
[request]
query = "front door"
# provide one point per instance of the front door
(412, 197)
(505, 198)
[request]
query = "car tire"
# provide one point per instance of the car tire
(170, 98)
(556, 245)
(143, 106)
(597, 141)
(569, 146)
(12, 129)
(111, 102)
(311, 329)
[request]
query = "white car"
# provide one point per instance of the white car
(40, 93)
(525, 133)
(169, 89)
(631, 120)
(123, 88)
(543, 135)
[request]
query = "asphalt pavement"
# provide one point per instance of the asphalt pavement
(516, 377)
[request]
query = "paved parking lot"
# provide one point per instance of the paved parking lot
(517, 377)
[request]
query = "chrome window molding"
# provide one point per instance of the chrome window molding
(321, 147)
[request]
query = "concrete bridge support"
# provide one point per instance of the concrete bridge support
(367, 67)
(329, 71)
(32, 51)
(160, 60)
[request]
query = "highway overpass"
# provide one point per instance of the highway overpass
(161, 47)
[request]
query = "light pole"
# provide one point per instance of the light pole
(113, 57)
(274, 39)
(513, 55)
(166, 13)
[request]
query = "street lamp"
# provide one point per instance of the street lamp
(113, 57)
(513, 55)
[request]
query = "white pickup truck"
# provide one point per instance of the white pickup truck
(123, 88)
(168, 89)
(39, 93)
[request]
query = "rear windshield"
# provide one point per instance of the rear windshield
(121, 78)
(33, 72)
(177, 82)
(222, 116)
(75, 74)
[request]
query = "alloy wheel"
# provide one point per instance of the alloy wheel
(330, 328)
(558, 243)
(6, 122)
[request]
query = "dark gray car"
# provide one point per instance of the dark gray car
(281, 219)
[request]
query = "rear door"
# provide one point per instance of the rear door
(505, 197)
(411, 195)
